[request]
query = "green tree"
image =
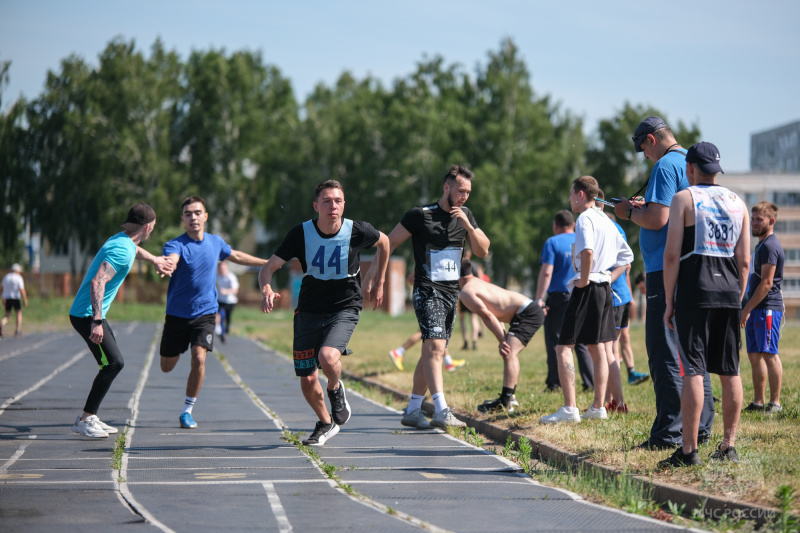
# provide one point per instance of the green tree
(231, 126)
(529, 151)
(15, 174)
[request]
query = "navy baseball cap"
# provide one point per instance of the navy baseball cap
(646, 127)
(706, 156)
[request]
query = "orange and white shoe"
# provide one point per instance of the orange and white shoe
(397, 359)
(454, 364)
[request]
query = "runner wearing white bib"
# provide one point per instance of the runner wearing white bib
(438, 233)
(706, 262)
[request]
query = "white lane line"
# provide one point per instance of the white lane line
(30, 347)
(17, 455)
(42, 381)
(123, 491)
(285, 481)
(363, 500)
(129, 328)
(277, 508)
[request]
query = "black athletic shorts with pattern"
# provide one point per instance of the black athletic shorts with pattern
(436, 312)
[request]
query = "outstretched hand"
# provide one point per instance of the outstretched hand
(164, 266)
(268, 299)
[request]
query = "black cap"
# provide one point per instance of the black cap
(139, 215)
(645, 128)
(706, 156)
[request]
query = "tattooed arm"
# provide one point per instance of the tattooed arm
(97, 289)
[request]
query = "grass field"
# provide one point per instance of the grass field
(768, 446)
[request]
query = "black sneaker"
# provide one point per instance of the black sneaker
(754, 407)
(340, 409)
(490, 406)
(679, 459)
(728, 454)
(552, 388)
(651, 444)
(773, 408)
(322, 433)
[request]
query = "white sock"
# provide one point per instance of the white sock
(439, 403)
(400, 350)
(447, 359)
(571, 409)
(188, 404)
(415, 402)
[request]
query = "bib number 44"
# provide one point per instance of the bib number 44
(334, 261)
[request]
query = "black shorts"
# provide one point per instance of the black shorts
(312, 331)
(436, 312)
(589, 318)
(708, 341)
(527, 322)
(13, 303)
(622, 315)
(181, 333)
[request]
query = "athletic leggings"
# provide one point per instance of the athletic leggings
(106, 354)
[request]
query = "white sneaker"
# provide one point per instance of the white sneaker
(445, 418)
(89, 427)
(105, 427)
(592, 413)
(562, 415)
(415, 419)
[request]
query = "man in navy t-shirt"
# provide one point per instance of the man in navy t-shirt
(763, 312)
(192, 297)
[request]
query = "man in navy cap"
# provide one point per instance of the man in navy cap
(654, 138)
(706, 263)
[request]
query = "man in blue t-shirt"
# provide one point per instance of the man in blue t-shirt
(654, 138)
(192, 297)
(763, 312)
(88, 312)
(556, 261)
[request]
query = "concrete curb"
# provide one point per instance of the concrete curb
(715, 507)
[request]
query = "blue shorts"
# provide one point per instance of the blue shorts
(763, 331)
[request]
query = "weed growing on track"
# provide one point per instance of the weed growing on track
(118, 450)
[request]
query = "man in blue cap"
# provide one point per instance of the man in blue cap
(706, 263)
(654, 138)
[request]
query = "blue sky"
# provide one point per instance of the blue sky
(732, 67)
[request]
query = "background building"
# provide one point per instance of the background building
(776, 150)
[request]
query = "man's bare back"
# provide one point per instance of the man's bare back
(502, 303)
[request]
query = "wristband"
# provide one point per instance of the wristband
(98, 322)
(628, 213)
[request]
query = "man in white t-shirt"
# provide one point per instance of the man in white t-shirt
(598, 249)
(14, 297)
(227, 297)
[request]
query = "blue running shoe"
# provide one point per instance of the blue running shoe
(187, 421)
(637, 377)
